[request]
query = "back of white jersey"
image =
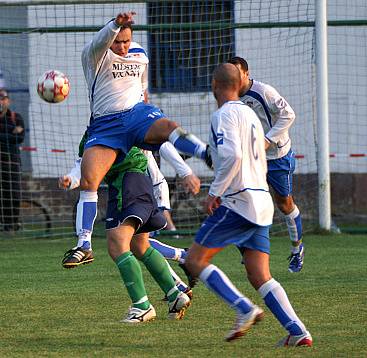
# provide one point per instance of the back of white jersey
(275, 114)
(238, 152)
(115, 83)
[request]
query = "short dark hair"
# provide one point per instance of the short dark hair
(126, 26)
(236, 60)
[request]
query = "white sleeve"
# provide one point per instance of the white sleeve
(160, 186)
(101, 42)
(169, 153)
(229, 154)
(75, 175)
(144, 79)
(281, 112)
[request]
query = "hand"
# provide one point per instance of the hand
(125, 18)
(64, 182)
(211, 204)
(18, 130)
(191, 184)
(267, 144)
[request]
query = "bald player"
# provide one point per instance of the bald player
(240, 212)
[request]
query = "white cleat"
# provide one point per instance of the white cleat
(137, 315)
(177, 308)
(304, 339)
(244, 322)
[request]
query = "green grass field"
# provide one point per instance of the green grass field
(49, 311)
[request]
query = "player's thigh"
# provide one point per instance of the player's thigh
(96, 162)
(159, 131)
(257, 267)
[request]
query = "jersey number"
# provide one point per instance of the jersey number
(154, 114)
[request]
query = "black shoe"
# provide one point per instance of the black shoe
(77, 256)
(192, 281)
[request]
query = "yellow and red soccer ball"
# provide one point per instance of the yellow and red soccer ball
(53, 86)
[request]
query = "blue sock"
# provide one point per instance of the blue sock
(277, 301)
(187, 143)
(219, 283)
(85, 216)
(167, 251)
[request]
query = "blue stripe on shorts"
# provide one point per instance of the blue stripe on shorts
(225, 227)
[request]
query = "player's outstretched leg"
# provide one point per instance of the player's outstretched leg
(157, 266)
(277, 301)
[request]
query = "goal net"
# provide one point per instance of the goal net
(185, 40)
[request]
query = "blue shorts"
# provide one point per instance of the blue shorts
(134, 199)
(123, 130)
(225, 227)
(280, 174)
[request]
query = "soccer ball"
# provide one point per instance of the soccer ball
(53, 86)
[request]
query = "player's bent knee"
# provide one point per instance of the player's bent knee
(258, 279)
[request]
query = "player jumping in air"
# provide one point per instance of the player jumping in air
(241, 212)
(276, 117)
(115, 70)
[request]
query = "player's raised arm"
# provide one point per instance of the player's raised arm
(93, 52)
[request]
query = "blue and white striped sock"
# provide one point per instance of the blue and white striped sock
(220, 284)
(85, 217)
(167, 251)
(187, 143)
(294, 224)
(277, 301)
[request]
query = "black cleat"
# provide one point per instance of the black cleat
(77, 256)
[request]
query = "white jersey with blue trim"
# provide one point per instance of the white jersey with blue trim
(115, 83)
(238, 151)
(275, 114)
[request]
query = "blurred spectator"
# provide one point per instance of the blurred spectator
(11, 135)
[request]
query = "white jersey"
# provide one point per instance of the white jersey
(275, 114)
(115, 83)
(238, 151)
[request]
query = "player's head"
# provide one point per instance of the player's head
(226, 82)
(4, 101)
(242, 65)
(121, 44)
